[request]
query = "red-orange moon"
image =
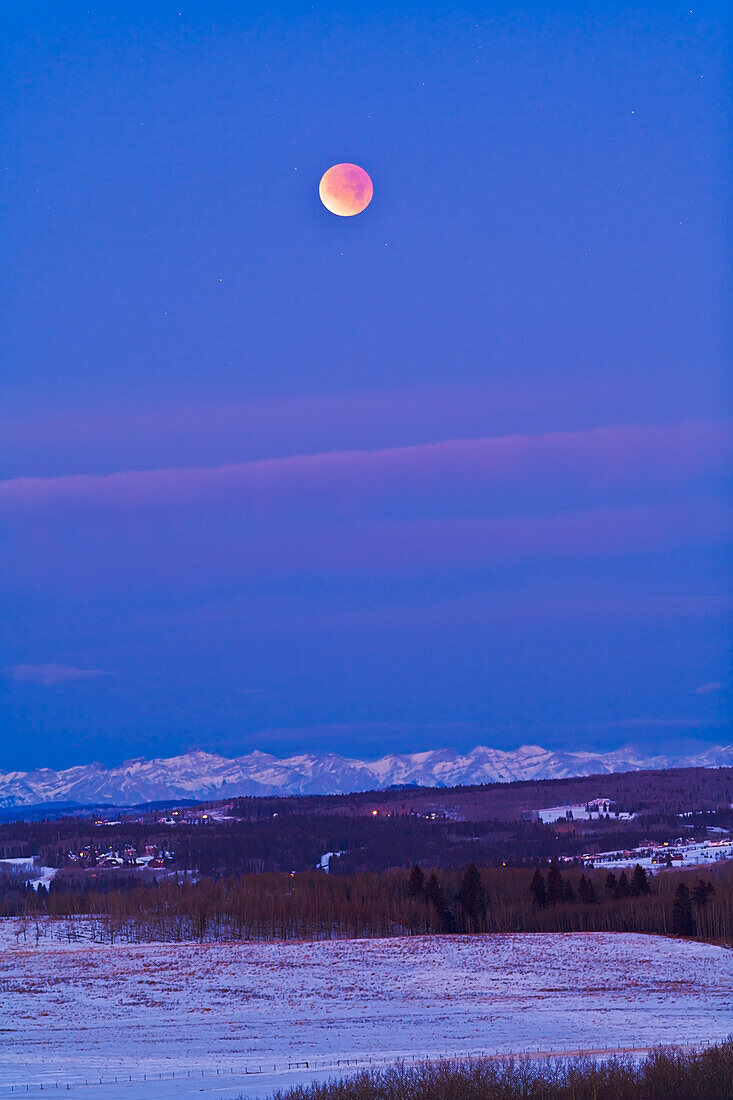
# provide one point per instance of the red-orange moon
(346, 189)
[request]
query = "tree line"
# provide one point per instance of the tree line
(418, 901)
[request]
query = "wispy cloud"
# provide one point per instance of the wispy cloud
(598, 459)
(51, 675)
(464, 503)
(709, 689)
(662, 723)
(379, 737)
(136, 437)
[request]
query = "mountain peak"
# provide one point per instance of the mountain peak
(197, 774)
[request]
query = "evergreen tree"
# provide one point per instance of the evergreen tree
(538, 890)
(702, 891)
(611, 883)
(434, 893)
(569, 894)
(471, 897)
(622, 887)
(586, 890)
(555, 885)
(415, 881)
(639, 882)
(683, 920)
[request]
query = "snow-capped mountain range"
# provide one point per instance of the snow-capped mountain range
(205, 776)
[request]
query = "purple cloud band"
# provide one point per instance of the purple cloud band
(51, 675)
(647, 456)
(458, 504)
(174, 556)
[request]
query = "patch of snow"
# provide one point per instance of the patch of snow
(34, 874)
(324, 863)
(581, 812)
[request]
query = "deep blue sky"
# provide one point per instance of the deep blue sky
(474, 440)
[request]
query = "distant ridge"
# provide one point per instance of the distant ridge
(201, 776)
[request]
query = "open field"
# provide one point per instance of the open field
(76, 1011)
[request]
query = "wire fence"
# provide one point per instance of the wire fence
(232, 1075)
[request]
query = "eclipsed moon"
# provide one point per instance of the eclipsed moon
(346, 189)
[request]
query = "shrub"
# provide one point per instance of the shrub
(665, 1074)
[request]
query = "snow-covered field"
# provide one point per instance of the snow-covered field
(80, 1012)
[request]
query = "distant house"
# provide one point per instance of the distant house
(440, 812)
(110, 860)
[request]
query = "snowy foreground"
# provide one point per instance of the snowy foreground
(75, 1013)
